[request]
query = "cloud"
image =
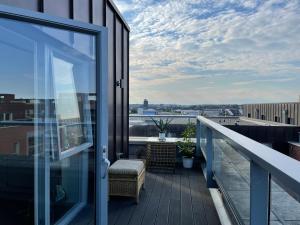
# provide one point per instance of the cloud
(182, 43)
(280, 80)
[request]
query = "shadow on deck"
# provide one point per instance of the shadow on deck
(169, 199)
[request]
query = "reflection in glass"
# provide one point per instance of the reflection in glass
(72, 109)
(232, 171)
(285, 209)
(47, 106)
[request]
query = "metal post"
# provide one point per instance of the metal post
(259, 195)
(198, 136)
(209, 159)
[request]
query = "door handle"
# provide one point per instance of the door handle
(106, 164)
(120, 83)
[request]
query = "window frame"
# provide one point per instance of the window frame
(62, 154)
(100, 33)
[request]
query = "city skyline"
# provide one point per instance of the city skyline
(213, 52)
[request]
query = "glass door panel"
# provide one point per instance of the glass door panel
(17, 104)
(47, 121)
(71, 74)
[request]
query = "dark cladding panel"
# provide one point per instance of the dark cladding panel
(81, 10)
(111, 82)
(97, 12)
(119, 100)
(298, 113)
(125, 90)
(25, 4)
(60, 8)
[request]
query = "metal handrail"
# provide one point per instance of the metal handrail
(285, 169)
(163, 116)
(180, 116)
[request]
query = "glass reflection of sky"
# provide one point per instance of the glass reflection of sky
(17, 64)
(66, 99)
(22, 61)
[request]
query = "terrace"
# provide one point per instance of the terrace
(174, 199)
(258, 185)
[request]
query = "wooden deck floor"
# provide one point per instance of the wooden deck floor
(169, 199)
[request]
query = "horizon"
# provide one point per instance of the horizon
(212, 52)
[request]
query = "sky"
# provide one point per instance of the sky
(213, 51)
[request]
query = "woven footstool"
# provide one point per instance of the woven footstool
(126, 177)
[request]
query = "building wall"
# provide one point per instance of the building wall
(294, 151)
(103, 13)
(10, 136)
(277, 112)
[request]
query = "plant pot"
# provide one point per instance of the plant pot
(162, 136)
(187, 162)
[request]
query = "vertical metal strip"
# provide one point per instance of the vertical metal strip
(259, 195)
(122, 91)
(198, 136)
(101, 128)
(127, 94)
(209, 158)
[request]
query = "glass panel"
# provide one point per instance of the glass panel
(284, 208)
(47, 109)
(232, 171)
(17, 142)
(71, 108)
(72, 75)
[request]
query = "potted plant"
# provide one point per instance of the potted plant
(187, 147)
(162, 126)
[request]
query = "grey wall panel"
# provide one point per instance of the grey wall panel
(119, 100)
(26, 4)
(81, 10)
(111, 82)
(98, 12)
(125, 90)
(60, 8)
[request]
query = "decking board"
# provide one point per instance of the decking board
(169, 199)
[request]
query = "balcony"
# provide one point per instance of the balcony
(258, 185)
(180, 198)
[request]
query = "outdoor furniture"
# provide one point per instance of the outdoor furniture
(126, 177)
(161, 156)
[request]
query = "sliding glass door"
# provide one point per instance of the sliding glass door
(50, 164)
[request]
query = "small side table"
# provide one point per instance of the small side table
(161, 155)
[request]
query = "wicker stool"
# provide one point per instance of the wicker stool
(126, 177)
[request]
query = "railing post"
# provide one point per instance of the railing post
(259, 195)
(209, 159)
(198, 136)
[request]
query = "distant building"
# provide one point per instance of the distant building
(189, 112)
(228, 112)
(145, 103)
(147, 112)
(15, 109)
(288, 113)
(150, 112)
(140, 111)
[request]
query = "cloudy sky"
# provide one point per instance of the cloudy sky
(206, 51)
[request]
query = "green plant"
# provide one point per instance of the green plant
(162, 125)
(187, 147)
